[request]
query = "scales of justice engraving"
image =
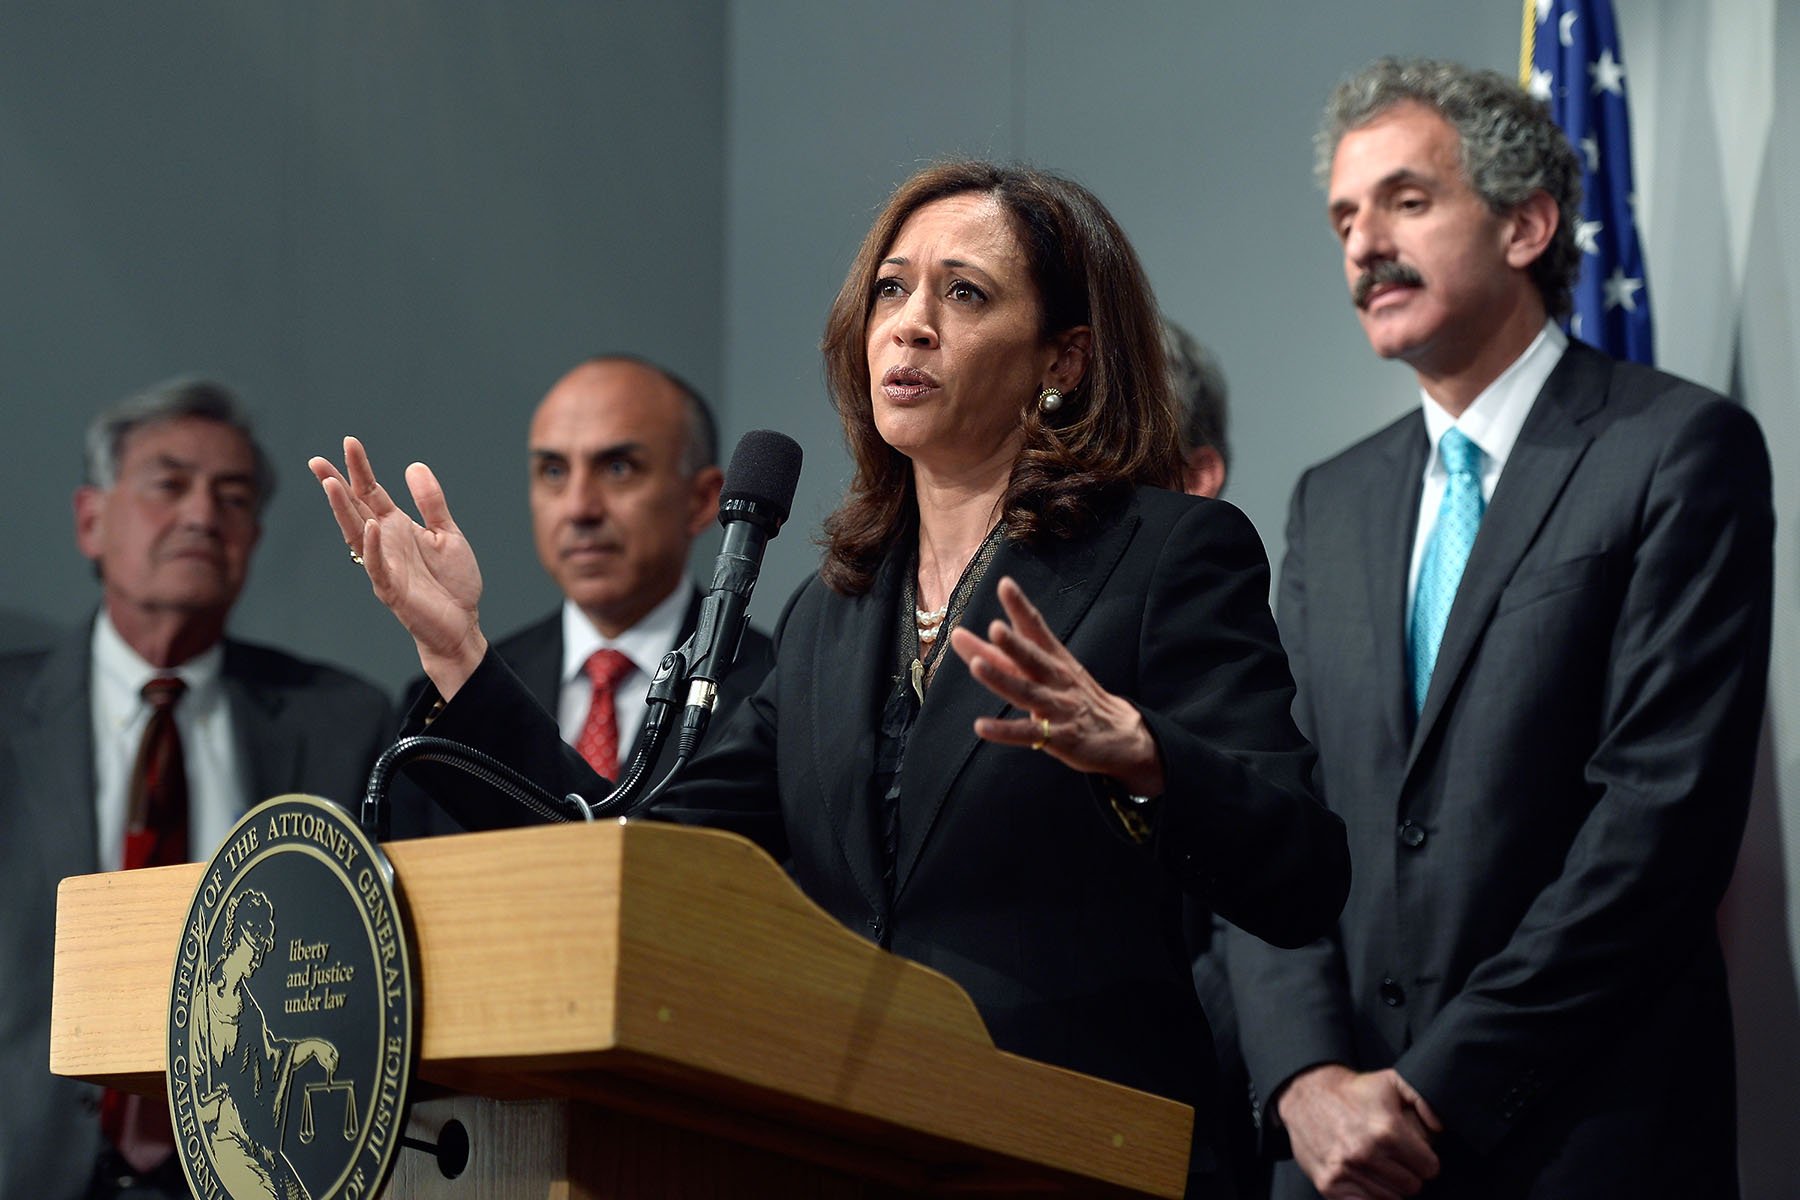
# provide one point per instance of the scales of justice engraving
(244, 1070)
(329, 1086)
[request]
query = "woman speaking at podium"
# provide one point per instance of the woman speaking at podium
(1030, 699)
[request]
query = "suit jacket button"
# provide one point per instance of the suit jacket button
(876, 927)
(1411, 836)
(1392, 994)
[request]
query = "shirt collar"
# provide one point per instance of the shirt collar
(1493, 420)
(644, 643)
(122, 672)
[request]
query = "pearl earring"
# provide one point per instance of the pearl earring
(1049, 400)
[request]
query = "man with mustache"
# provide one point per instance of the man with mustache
(1529, 623)
(139, 740)
(623, 461)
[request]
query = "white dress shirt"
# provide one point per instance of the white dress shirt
(217, 787)
(644, 644)
(1492, 421)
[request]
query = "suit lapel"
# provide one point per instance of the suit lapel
(1062, 579)
(269, 752)
(1392, 529)
(853, 660)
(55, 754)
(1550, 444)
(538, 663)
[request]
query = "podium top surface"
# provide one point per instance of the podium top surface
(671, 971)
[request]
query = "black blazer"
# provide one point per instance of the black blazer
(1012, 876)
(300, 727)
(1530, 932)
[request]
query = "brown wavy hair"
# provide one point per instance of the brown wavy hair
(1115, 429)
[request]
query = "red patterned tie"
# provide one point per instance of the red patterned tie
(599, 742)
(156, 835)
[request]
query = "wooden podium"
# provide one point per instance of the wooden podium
(646, 1010)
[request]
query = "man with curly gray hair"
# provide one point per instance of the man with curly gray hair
(1529, 624)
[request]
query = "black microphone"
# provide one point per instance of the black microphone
(758, 494)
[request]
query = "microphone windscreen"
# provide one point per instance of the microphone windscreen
(764, 470)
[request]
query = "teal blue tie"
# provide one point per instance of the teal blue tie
(1446, 553)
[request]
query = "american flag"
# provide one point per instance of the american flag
(1571, 62)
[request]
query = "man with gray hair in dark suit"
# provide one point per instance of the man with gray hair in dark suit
(139, 740)
(1529, 624)
(1201, 396)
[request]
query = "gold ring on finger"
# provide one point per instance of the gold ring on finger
(1043, 737)
(355, 556)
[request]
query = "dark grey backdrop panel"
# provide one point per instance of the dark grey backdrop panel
(401, 221)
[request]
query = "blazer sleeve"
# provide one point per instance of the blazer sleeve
(1239, 823)
(1670, 780)
(1312, 1023)
(495, 712)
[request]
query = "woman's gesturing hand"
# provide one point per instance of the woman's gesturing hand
(1070, 716)
(425, 574)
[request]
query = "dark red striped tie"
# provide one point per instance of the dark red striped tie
(156, 835)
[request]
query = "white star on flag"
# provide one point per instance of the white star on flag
(1574, 68)
(1608, 73)
(1622, 290)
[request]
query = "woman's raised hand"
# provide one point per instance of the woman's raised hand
(1070, 716)
(425, 574)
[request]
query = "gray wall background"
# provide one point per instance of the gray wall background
(405, 220)
(400, 221)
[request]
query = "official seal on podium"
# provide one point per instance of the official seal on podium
(292, 1012)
